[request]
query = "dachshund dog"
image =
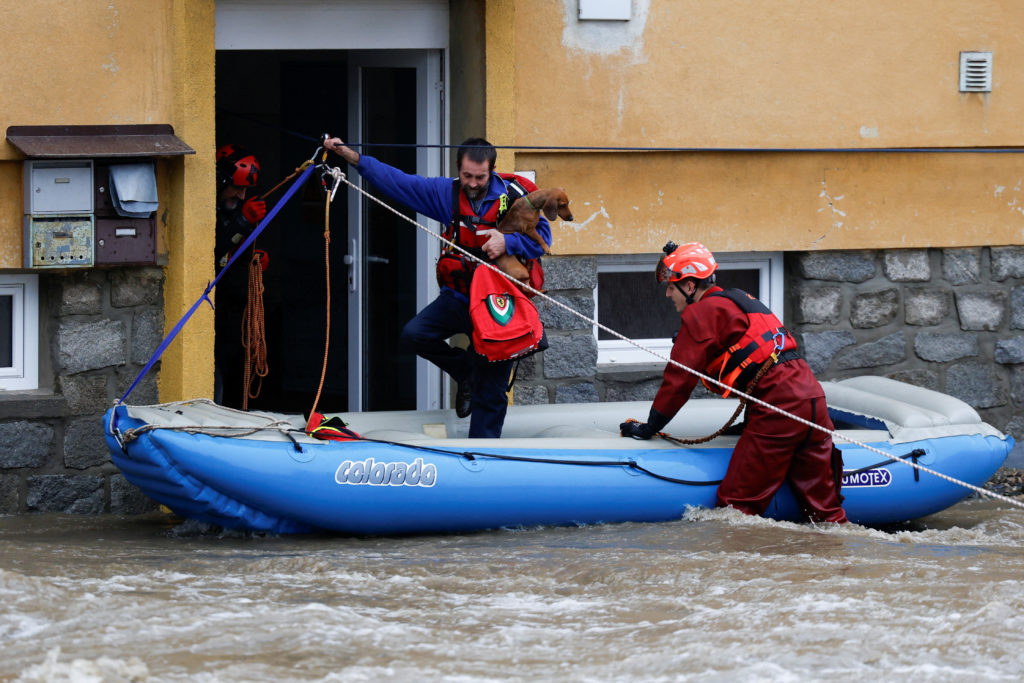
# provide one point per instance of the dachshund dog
(523, 216)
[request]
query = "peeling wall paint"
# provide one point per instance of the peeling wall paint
(714, 76)
(621, 38)
(691, 73)
(783, 202)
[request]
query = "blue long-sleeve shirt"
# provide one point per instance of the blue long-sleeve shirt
(433, 197)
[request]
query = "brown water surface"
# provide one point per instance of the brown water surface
(713, 597)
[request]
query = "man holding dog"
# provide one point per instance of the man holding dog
(732, 337)
(469, 207)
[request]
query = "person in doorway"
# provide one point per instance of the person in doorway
(732, 337)
(469, 207)
(238, 214)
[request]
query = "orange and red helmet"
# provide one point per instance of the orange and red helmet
(686, 261)
(235, 166)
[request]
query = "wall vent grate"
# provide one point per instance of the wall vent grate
(975, 72)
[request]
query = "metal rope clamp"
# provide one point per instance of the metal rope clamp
(336, 174)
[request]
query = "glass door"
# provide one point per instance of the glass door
(395, 111)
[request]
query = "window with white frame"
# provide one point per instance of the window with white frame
(19, 332)
(629, 300)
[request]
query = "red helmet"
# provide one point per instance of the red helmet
(690, 260)
(235, 166)
(225, 151)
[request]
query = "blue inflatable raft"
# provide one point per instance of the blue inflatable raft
(416, 472)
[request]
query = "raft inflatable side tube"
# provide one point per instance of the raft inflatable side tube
(558, 464)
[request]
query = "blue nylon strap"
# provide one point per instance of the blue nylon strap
(205, 296)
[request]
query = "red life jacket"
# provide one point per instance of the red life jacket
(453, 268)
(765, 341)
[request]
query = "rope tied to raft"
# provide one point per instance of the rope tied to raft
(337, 176)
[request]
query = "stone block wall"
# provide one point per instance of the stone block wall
(98, 328)
(946, 319)
(566, 371)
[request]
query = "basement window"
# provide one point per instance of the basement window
(19, 332)
(629, 300)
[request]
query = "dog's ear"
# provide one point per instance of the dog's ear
(550, 207)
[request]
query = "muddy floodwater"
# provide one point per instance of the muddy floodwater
(715, 596)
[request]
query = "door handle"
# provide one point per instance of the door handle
(352, 262)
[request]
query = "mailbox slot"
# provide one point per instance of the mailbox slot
(125, 241)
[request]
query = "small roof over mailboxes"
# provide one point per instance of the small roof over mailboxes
(75, 142)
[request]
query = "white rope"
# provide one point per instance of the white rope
(834, 434)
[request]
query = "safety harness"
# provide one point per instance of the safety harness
(766, 342)
(467, 230)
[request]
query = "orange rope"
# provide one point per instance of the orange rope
(254, 339)
(327, 264)
(275, 188)
(743, 404)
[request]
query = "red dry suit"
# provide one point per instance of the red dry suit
(772, 448)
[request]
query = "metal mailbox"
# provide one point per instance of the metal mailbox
(59, 214)
(103, 203)
(58, 188)
(58, 241)
(125, 241)
(68, 173)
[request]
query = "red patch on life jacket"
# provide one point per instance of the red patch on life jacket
(506, 324)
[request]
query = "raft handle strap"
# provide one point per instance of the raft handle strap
(913, 455)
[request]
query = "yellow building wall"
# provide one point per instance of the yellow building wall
(681, 73)
(785, 201)
(102, 62)
(782, 75)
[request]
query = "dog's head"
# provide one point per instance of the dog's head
(556, 205)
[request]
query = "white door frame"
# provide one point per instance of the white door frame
(380, 28)
(331, 24)
(430, 127)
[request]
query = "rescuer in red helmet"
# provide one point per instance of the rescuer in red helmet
(238, 172)
(730, 336)
(238, 214)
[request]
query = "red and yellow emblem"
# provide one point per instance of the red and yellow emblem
(501, 307)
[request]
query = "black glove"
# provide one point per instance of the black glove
(644, 430)
(637, 430)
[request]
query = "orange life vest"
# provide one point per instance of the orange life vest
(765, 341)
